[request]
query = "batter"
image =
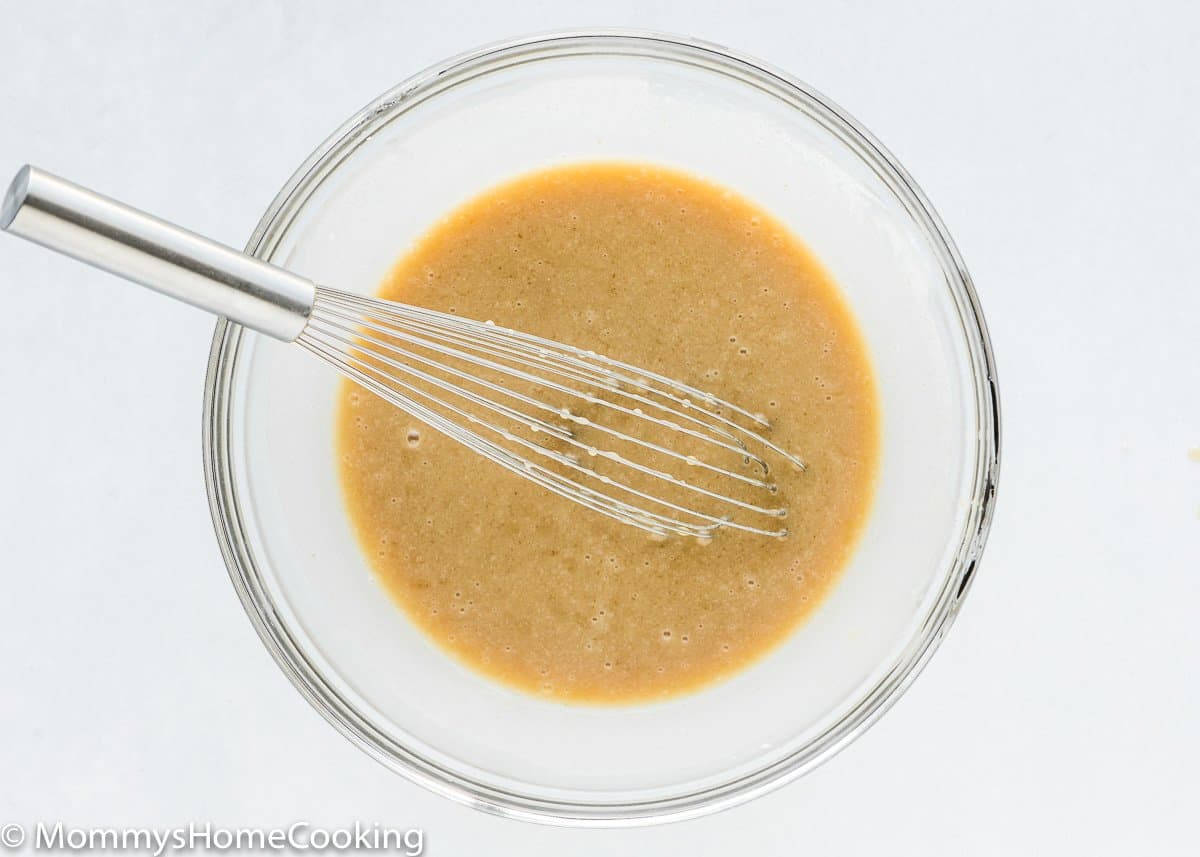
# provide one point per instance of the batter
(662, 270)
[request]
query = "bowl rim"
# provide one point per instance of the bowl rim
(225, 505)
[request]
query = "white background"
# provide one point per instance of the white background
(1059, 141)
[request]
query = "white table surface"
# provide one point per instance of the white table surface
(1059, 141)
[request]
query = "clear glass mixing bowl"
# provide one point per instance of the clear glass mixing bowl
(436, 140)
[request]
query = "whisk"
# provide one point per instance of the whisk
(646, 450)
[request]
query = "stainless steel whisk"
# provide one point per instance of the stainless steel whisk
(568, 419)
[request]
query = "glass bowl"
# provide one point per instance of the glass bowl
(438, 139)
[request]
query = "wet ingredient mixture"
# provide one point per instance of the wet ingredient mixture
(659, 269)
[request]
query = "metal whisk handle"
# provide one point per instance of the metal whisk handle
(92, 228)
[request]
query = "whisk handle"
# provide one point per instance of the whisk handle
(92, 228)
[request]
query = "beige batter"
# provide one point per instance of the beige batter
(661, 270)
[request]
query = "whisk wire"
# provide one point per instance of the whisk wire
(404, 330)
(593, 367)
(361, 366)
(656, 523)
(379, 345)
(347, 337)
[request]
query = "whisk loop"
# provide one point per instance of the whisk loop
(471, 380)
